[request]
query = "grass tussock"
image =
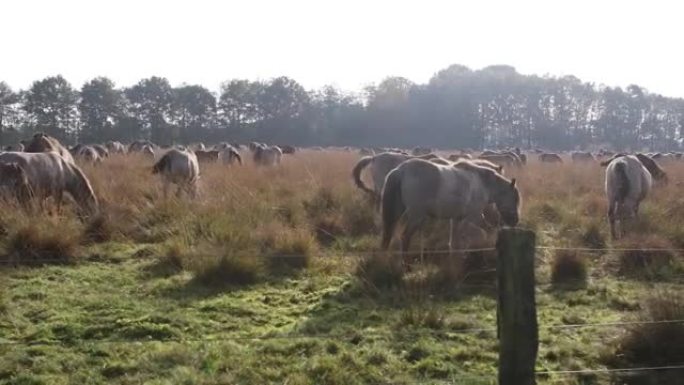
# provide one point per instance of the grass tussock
(569, 269)
(292, 249)
(592, 237)
(645, 256)
(653, 344)
(379, 271)
(43, 242)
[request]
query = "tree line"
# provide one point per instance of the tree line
(457, 108)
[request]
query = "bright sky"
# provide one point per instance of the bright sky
(348, 43)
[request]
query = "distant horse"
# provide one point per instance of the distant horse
(380, 165)
(230, 155)
(549, 157)
(179, 167)
(207, 156)
(579, 157)
(50, 175)
(147, 151)
(139, 145)
(115, 147)
(507, 160)
(88, 154)
(102, 151)
(628, 182)
(19, 147)
(267, 155)
(287, 149)
(41, 142)
(419, 189)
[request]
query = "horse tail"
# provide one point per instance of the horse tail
(356, 173)
(622, 181)
(161, 165)
(392, 206)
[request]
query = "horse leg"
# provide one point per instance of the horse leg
(611, 218)
(413, 222)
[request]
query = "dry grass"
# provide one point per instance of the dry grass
(43, 241)
(646, 256)
(653, 344)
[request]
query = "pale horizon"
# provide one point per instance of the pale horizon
(347, 44)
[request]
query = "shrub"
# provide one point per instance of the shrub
(645, 256)
(653, 344)
(569, 269)
(41, 243)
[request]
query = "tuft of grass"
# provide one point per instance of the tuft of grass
(38, 243)
(569, 269)
(653, 344)
(379, 271)
(292, 249)
(592, 237)
(645, 256)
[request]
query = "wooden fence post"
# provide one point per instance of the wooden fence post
(516, 310)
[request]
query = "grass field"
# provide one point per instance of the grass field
(266, 279)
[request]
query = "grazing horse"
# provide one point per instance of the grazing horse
(207, 156)
(45, 143)
(88, 154)
(50, 175)
(549, 157)
(230, 155)
(115, 147)
(381, 165)
(181, 168)
(657, 173)
(267, 155)
(579, 157)
(19, 147)
(419, 189)
(628, 182)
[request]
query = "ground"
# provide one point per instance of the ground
(141, 296)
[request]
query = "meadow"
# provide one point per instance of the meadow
(273, 276)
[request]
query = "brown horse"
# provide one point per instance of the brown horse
(50, 175)
(418, 189)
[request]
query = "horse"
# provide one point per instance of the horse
(147, 151)
(40, 142)
(267, 155)
(657, 173)
(88, 154)
(102, 151)
(579, 157)
(19, 147)
(418, 189)
(549, 157)
(179, 167)
(380, 165)
(139, 145)
(507, 160)
(628, 182)
(230, 155)
(51, 175)
(115, 147)
(207, 156)
(287, 149)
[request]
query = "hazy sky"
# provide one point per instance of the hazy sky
(347, 43)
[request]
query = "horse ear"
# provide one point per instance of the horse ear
(513, 182)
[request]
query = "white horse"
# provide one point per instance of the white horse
(179, 167)
(419, 189)
(267, 155)
(230, 155)
(628, 182)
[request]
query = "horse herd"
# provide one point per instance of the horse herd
(469, 190)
